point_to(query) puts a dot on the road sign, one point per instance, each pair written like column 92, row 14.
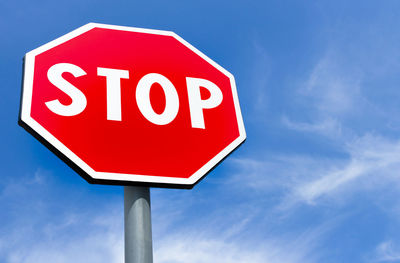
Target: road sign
column 124, row 105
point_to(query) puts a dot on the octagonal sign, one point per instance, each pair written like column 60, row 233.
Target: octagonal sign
column 124, row 105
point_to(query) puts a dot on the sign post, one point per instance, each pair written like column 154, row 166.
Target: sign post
column 134, row 107
column 137, row 213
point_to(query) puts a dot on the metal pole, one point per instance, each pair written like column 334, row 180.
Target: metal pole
column 138, row 240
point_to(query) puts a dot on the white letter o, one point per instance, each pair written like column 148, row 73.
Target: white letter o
column 143, row 99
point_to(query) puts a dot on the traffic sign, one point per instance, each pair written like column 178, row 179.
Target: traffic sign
column 131, row 106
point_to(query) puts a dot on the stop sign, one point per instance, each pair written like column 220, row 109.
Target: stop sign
column 124, row 105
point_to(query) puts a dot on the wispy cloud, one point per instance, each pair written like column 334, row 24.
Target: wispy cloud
column 197, row 249
column 103, row 245
column 38, row 231
column 78, row 238
column 387, row 251
column 327, row 127
column 309, row 179
column 96, row 235
column 261, row 73
column 333, row 87
column 205, row 245
column 373, row 158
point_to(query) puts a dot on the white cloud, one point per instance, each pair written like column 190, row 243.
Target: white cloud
column 387, row 252
column 11, row 188
column 96, row 235
column 333, row 86
column 75, row 239
column 201, row 246
column 368, row 162
column 105, row 246
column 199, row 250
column 328, row 126
column 261, row 75
column 370, row 156
column 38, row 231
column 333, row 101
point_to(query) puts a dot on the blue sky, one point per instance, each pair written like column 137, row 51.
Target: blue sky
column 316, row 181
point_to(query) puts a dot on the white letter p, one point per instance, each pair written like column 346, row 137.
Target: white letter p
column 196, row 104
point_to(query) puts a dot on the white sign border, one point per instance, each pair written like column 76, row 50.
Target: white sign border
column 120, row 178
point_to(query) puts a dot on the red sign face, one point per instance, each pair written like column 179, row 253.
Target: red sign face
column 124, row 105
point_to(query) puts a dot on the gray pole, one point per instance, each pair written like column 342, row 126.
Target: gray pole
column 138, row 240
